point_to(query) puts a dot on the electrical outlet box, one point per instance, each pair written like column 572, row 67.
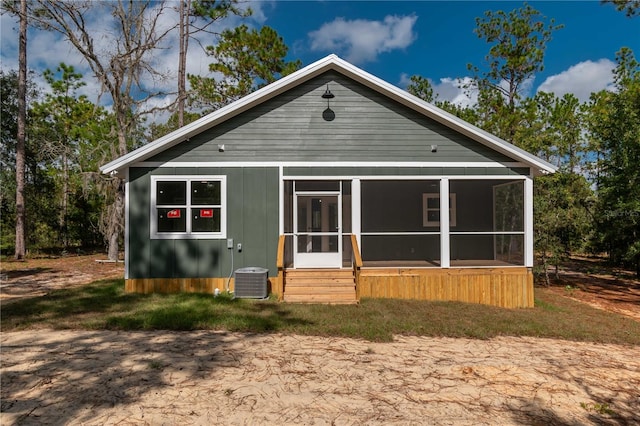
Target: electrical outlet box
column 230, row 243
column 239, row 246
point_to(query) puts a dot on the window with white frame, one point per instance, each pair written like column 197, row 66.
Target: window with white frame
column 188, row 207
column 431, row 209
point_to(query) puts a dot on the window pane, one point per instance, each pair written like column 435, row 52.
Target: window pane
column 171, row 193
column 205, row 220
column 172, row 220
column 205, row 193
column 317, row 244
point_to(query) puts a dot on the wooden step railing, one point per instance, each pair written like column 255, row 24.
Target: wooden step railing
column 356, row 261
column 279, row 290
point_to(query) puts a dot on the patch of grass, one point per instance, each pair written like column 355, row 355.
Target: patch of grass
column 155, row 365
column 603, row 408
column 104, row 305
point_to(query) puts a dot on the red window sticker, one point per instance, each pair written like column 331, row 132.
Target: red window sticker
column 206, row 212
column 173, row 214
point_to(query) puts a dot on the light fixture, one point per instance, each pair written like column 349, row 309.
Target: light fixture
column 221, row 147
column 327, row 94
column 328, row 114
column 434, row 148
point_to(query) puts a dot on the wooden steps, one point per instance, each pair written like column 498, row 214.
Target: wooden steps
column 331, row 286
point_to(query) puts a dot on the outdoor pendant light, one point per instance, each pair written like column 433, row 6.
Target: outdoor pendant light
column 328, row 114
column 327, row 94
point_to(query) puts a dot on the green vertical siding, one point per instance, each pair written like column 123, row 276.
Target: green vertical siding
column 252, row 220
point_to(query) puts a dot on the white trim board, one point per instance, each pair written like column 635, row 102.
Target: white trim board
column 154, row 234
column 332, row 164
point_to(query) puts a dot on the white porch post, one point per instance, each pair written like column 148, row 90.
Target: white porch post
column 528, row 222
column 126, row 224
column 280, row 201
column 356, row 209
column 445, row 261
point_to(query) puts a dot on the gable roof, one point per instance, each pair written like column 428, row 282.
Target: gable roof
column 331, row 62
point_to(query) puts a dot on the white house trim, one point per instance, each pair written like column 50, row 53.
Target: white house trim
column 154, row 234
column 356, row 210
column 528, row 222
column 126, row 224
column 408, row 177
column 281, row 212
column 445, row 244
column 330, row 164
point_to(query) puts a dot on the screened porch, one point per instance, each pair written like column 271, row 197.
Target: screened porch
column 405, row 223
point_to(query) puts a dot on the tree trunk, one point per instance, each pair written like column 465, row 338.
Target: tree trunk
column 182, row 60
column 545, row 265
column 115, row 217
column 116, row 222
column 113, row 246
column 20, row 248
column 64, row 214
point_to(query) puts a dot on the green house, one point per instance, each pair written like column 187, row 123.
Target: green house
column 341, row 186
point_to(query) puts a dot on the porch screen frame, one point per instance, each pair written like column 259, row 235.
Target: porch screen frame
column 527, row 216
column 436, row 180
column 445, row 228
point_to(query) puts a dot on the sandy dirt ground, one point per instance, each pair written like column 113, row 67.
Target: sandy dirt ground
column 207, row 378
column 39, row 276
column 210, row 378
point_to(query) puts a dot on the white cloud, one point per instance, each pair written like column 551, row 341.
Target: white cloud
column 449, row 89
column 362, row 41
column 9, row 41
column 581, row 79
column 454, row 91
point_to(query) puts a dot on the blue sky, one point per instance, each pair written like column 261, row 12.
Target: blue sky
column 436, row 39
column 393, row 40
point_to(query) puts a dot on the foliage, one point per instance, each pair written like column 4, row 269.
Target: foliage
column 195, row 17
column 561, row 218
column 158, row 130
column 66, row 133
column 553, row 128
column 247, row 59
column 630, row 7
column 615, row 124
column 70, row 129
column 518, row 40
column 39, row 229
column 119, row 68
column 422, row 88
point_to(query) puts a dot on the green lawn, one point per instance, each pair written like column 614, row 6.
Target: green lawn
column 104, row 305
